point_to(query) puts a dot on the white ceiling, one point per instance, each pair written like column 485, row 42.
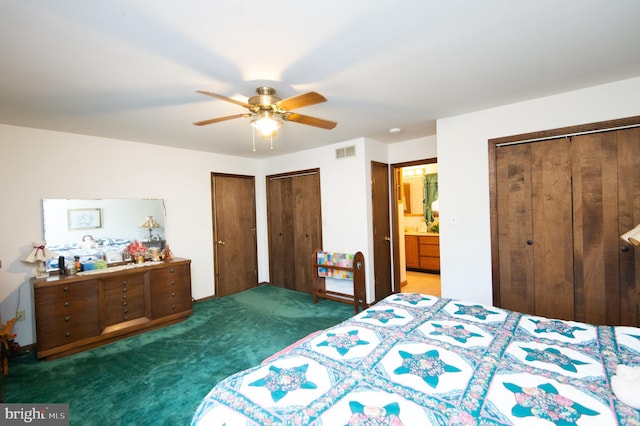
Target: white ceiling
column 129, row 69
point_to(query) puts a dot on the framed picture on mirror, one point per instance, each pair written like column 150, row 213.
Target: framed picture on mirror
column 84, row 218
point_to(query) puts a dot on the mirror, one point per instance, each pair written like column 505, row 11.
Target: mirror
column 101, row 228
column 413, row 187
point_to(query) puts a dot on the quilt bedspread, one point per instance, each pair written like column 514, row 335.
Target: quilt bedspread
column 414, row 359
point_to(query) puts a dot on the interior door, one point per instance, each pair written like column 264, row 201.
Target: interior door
column 535, row 228
column 628, row 154
column 234, row 230
column 381, row 229
column 295, row 227
column 606, row 197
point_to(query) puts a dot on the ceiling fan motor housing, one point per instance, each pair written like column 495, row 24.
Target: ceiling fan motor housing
column 264, row 100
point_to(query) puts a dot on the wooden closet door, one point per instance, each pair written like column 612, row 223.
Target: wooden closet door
column 606, row 198
column 533, row 191
column 595, row 228
column 552, row 231
column 295, row 228
column 629, row 217
column 280, row 240
column 307, row 227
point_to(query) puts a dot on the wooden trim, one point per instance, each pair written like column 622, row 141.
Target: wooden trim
column 286, row 175
column 600, row 126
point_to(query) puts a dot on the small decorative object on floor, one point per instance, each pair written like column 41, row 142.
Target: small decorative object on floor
column 39, row 254
column 137, row 250
column 6, row 336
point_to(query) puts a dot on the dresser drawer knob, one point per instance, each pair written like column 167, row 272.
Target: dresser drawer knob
column 66, row 303
column 65, row 288
column 124, row 296
column 171, row 270
column 67, row 318
column 125, row 310
column 173, row 294
column 124, row 282
column 173, row 306
column 67, row 334
column 173, row 282
column 125, row 303
column 125, row 318
column 124, row 290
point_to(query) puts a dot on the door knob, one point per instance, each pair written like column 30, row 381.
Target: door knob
column 530, row 242
column 387, row 238
column 221, row 242
column 624, row 248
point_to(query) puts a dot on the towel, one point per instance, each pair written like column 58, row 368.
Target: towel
column 626, row 385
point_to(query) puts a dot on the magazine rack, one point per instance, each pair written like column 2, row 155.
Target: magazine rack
column 340, row 266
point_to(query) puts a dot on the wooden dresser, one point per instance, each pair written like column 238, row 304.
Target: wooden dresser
column 422, row 252
column 78, row 312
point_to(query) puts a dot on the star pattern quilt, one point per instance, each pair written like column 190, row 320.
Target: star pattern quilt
column 415, row 359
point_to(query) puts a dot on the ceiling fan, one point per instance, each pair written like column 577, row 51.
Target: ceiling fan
column 268, row 110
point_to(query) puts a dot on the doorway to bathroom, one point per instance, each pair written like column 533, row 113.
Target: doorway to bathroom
column 416, row 231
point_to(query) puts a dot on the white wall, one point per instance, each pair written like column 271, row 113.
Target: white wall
column 414, row 149
column 465, row 246
column 41, row 164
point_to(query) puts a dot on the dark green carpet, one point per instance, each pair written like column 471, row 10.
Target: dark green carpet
column 160, row 377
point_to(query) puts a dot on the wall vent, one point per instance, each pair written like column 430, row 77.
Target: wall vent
column 348, row 151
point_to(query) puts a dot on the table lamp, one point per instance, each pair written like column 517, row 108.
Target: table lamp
column 39, row 255
column 149, row 223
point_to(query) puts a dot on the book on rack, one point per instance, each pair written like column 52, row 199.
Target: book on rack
column 632, row 236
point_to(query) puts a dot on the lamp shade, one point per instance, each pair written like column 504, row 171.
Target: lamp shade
column 149, row 223
column 632, row 236
column 39, row 253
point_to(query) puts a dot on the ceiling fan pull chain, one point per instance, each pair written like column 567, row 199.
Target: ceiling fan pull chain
column 253, row 137
column 271, row 140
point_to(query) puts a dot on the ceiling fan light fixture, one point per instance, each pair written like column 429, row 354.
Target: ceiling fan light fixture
column 266, row 123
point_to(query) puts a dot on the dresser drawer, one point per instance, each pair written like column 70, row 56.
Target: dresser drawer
column 66, row 313
column 123, row 299
column 64, row 292
column 70, row 333
column 168, row 278
column 170, row 291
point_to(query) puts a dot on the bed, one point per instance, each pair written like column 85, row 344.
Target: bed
column 415, row 359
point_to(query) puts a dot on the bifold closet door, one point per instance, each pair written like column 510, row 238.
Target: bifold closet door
column 606, row 203
column 561, row 206
column 533, row 189
column 295, row 228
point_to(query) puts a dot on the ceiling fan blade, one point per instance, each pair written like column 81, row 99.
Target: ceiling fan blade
column 219, row 119
column 309, row 121
column 224, row 98
column 300, row 101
